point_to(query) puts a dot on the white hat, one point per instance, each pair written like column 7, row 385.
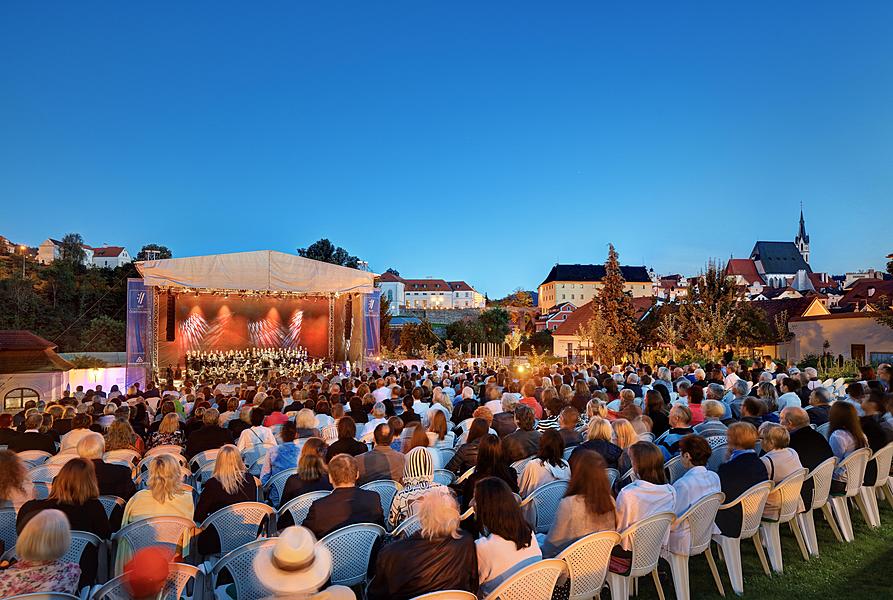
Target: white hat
column 295, row 564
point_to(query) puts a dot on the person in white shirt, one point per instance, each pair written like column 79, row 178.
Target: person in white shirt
column 510, row 545
column 379, row 416
column 731, row 375
column 696, row 484
column 780, row 460
column 382, row 392
column 494, row 400
column 547, row 466
column 648, row 495
column 80, row 424
column 257, row 434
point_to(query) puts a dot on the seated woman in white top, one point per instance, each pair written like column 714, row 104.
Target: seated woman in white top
column 547, row 466
column 257, row 434
column 780, row 462
column 510, row 545
column 696, row 484
column 438, row 431
column 645, row 497
column 846, row 437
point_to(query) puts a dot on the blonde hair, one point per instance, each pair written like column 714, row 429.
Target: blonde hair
column 438, row 514
column 120, row 436
column 45, row 538
column 774, row 436
column 229, row 469
column 599, row 429
column 305, row 419
column 169, row 423
column 625, row 433
column 91, row 446
column 164, row 478
column 741, row 436
column 596, row 408
column 311, row 462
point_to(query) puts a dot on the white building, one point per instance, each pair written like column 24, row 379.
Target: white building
column 105, row 257
column 51, row 250
column 428, row 293
column 110, row 257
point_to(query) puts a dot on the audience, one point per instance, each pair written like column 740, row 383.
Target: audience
column 229, row 484
column 742, row 471
column 382, row 462
column 15, row 483
column 548, row 465
column 418, row 480
column 164, row 495
column 40, row 569
column 696, row 484
column 780, row 462
column 347, row 504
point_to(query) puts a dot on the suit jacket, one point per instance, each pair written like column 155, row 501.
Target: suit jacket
column 344, row 506
column 113, row 480
column 503, row 424
column 32, row 440
column 382, row 462
column 7, row 434
column 209, row 437
column 813, row 449
column 736, row 477
column 520, row 444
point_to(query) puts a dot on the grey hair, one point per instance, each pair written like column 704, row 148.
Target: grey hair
column 822, row 394
column 717, row 390
column 741, row 387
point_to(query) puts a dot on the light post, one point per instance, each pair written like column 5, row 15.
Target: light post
column 23, row 249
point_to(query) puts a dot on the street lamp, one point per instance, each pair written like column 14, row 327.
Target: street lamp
column 23, row 248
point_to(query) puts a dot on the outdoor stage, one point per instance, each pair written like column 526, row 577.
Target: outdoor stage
column 247, row 300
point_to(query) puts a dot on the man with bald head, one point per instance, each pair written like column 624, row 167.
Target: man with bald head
column 810, row 445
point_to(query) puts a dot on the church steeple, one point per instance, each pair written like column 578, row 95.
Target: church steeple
column 802, row 239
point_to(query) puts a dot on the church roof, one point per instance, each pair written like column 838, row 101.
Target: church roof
column 779, row 258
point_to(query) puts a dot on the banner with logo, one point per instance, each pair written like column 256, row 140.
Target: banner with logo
column 139, row 310
column 371, row 323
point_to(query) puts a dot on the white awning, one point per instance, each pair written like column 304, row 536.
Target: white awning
column 262, row 270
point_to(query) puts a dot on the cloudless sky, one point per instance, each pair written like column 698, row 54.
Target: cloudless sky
column 481, row 141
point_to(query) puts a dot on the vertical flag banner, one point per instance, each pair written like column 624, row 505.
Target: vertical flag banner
column 139, row 304
column 371, row 323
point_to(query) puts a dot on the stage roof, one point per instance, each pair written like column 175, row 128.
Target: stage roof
column 262, row 270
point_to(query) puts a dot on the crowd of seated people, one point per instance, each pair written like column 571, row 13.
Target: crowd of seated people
column 462, row 447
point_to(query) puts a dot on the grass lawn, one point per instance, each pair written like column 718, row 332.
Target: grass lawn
column 861, row 570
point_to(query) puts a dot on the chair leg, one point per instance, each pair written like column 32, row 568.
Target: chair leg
column 888, row 491
column 679, row 569
column 772, row 536
column 798, row 535
column 619, row 586
column 864, row 508
column 716, row 579
column 731, row 551
column 842, row 515
column 660, row 588
column 761, row 554
column 832, row 522
column 806, row 524
column 869, row 501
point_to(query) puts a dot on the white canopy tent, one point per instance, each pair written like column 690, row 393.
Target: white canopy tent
column 261, row 270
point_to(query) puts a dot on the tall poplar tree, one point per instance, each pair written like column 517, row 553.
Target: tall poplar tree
column 616, row 313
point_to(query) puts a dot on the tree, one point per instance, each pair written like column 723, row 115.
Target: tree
column 782, row 334
column 668, row 332
column 749, row 327
column 513, row 340
column 416, row 337
column 615, row 313
column 541, row 341
column 465, row 332
column 325, row 251
column 104, row 334
column 393, row 272
column 495, row 323
column 72, row 249
column 709, row 307
column 519, row 297
column 153, row 252
column 384, row 320
column 598, row 342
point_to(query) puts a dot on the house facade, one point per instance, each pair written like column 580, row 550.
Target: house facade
column 579, row 284
column 110, row 257
column 104, row 257
column 558, row 315
column 428, row 293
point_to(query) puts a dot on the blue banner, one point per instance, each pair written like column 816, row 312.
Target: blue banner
column 139, row 310
column 372, row 324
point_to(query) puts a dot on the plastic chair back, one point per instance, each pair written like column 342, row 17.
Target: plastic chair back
column 883, row 458
column 180, row 578
column 155, row 531
column 240, row 565
column 45, row 473
column 386, row 490
column 542, row 504
column 465, row 475
column 533, row 582
column 43, row 596
column 33, row 458
column 203, row 458
column 752, row 502
column 8, row 533
column 176, row 451
column 821, row 482
column 240, row 523
column 700, row 517
column 444, row 477
column 447, row 595
column 408, row 527
column 275, row 486
column 351, row 548
column 300, row 506
column 717, row 457
column 131, row 456
column 613, row 476
column 788, row 493
column 674, row 468
column 587, row 562
column 646, row 538
column 109, row 503
column 854, row 466
column 520, row 465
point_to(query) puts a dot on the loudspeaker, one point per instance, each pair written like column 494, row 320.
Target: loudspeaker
column 171, row 318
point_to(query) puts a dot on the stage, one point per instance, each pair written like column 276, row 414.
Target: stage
column 248, row 301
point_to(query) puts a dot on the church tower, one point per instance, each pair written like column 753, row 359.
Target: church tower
column 802, row 239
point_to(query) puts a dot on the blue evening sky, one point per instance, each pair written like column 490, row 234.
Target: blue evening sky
column 481, row 141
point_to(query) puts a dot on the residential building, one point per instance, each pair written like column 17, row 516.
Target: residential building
column 51, row 250
column 670, row 287
column 106, row 257
column 552, row 319
column 850, row 278
column 110, row 257
column 579, row 284
column 428, row 293
column 566, row 341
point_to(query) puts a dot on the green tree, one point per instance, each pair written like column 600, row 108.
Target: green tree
column 325, row 251
column 615, row 313
column 384, row 320
column 415, row 338
column 668, row 332
column 709, row 307
column 749, row 327
column 519, row 297
column 465, row 332
column 495, row 323
column 104, row 334
column 72, row 249
column 155, row 251
column 541, row 341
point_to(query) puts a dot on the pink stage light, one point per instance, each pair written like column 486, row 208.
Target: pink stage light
column 293, row 339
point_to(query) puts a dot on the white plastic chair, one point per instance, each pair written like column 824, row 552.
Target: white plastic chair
column 131, row 456
column 541, row 505
column 824, row 430
column 43, row 596
column 8, row 532
column 61, row 458
column 144, row 463
column 33, row 458
column 299, row 506
column 699, row 519
column 45, row 473
column 109, row 503
column 170, row 532
column 821, row 486
column 446, row 454
column 465, row 475
column 276, row 485
column 646, row 538
column 386, row 490
column 854, row 465
column 444, row 477
column 240, row 565
column 587, row 563
column 202, row 474
column 788, row 492
column 408, row 527
column 519, row 465
column 42, row 490
column 173, row 449
column 142, row 479
column 239, row 524
column 447, row 595
column 868, row 494
column 180, row 580
column 675, row 469
column 717, row 456
column 351, row 548
column 536, row 581
column 752, row 502
column 567, row 452
column 203, row 458
column 613, row 475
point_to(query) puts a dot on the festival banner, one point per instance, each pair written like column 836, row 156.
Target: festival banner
column 139, row 305
column 371, row 323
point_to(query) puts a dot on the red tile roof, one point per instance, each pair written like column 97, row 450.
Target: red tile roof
column 585, row 312
column 23, row 352
column 108, row 251
column 744, row 267
column 20, row 339
column 872, row 291
column 390, row 277
column 460, row 286
column 427, row 285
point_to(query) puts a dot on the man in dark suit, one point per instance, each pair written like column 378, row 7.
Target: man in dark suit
column 524, row 441
column 210, row 436
column 113, row 479
column 504, row 422
column 31, row 438
column 7, row 433
column 347, row 504
column 810, row 445
column 743, row 470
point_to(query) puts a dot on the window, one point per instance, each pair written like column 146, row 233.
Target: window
column 881, row 357
column 15, row 399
